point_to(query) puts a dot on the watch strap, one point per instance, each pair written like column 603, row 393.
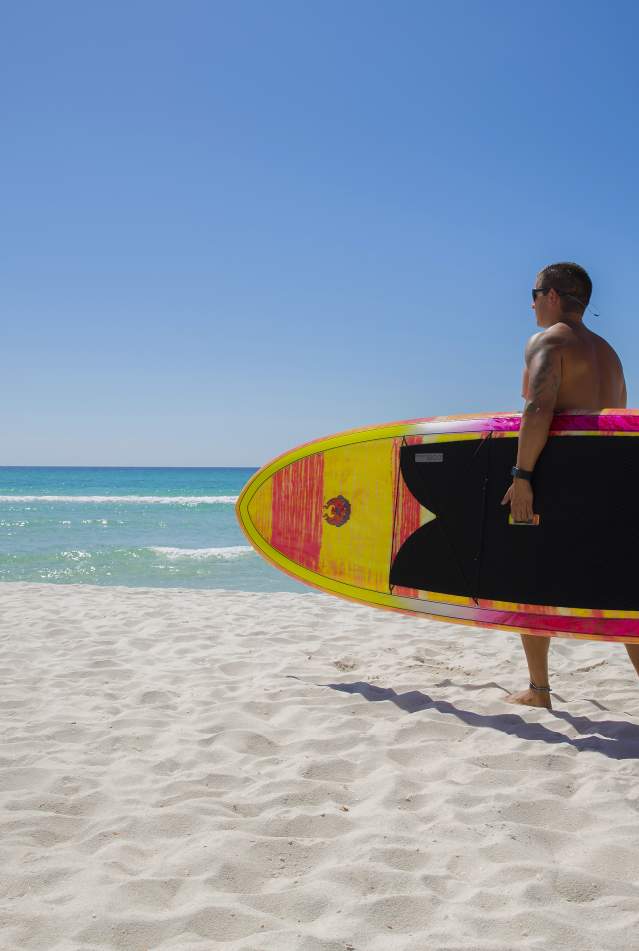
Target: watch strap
column 517, row 473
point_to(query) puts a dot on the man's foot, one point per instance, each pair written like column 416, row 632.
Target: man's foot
column 531, row 698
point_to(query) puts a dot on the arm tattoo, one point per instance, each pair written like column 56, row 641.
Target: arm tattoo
column 545, row 381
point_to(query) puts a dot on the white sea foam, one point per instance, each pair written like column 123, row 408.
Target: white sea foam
column 128, row 499
column 227, row 554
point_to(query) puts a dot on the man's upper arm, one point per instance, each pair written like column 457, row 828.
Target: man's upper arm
column 543, row 361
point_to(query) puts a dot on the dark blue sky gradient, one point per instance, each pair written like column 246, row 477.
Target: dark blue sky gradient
column 229, row 227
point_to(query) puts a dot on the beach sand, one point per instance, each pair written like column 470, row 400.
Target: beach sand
column 267, row 772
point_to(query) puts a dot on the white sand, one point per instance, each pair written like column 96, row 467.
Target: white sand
column 181, row 770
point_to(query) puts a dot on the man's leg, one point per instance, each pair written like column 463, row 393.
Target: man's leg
column 633, row 654
column 536, row 649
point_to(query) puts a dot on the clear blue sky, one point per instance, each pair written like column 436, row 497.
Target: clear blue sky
column 229, row 227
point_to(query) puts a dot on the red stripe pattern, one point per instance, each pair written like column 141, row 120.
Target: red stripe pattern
column 297, row 510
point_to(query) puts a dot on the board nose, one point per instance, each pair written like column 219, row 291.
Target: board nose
column 285, row 510
column 328, row 512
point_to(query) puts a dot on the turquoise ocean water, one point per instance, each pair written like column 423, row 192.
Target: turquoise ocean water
column 135, row 527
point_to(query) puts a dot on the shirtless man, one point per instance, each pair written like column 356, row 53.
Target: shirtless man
column 569, row 369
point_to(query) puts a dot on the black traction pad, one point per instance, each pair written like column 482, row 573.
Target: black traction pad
column 584, row 553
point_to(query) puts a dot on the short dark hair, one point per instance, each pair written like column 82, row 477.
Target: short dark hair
column 570, row 281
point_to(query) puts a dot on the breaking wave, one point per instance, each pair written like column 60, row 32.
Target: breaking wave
column 229, row 553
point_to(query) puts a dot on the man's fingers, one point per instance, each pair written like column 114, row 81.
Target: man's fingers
column 521, row 511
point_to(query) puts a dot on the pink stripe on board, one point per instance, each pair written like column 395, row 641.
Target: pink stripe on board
column 616, row 421
column 611, row 627
column 297, row 510
column 576, row 625
column 603, row 423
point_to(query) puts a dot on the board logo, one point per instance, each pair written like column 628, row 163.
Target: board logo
column 337, row 511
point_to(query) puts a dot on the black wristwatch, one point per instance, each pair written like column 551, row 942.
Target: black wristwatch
column 521, row 474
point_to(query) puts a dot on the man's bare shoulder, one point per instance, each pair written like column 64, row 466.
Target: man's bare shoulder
column 562, row 333
column 578, row 332
column 559, row 335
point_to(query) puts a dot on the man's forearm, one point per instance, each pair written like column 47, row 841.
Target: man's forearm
column 533, row 434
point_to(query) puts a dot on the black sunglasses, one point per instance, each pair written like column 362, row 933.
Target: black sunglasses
column 536, row 291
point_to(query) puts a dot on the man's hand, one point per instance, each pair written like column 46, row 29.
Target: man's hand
column 520, row 497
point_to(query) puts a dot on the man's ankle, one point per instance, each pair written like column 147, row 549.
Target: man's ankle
column 542, row 688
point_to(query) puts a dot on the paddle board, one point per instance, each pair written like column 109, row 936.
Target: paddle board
column 407, row 517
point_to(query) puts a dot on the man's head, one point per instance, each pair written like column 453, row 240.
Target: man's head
column 561, row 290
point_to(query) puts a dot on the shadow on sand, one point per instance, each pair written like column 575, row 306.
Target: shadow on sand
column 614, row 738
